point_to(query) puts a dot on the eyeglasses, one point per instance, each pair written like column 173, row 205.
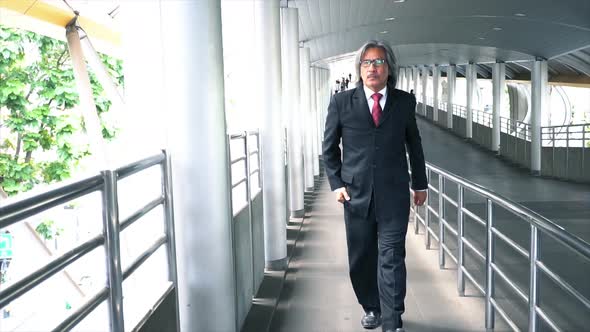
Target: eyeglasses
column 376, row 62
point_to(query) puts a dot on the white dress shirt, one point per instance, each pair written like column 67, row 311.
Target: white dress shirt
column 371, row 102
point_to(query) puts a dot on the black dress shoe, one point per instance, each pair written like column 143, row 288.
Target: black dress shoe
column 371, row 320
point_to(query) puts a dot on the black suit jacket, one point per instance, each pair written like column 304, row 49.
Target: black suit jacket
column 373, row 158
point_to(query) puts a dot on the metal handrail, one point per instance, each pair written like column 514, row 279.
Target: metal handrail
column 250, row 168
column 460, row 110
column 482, row 117
column 538, row 224
column 19, row 208
column 573, row 135
column 571, row 138
column 515, row 128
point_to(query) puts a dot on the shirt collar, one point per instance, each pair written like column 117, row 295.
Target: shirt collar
column 369, row 92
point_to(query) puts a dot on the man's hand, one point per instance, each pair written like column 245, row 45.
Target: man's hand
column 420, row 197
column 342, row 195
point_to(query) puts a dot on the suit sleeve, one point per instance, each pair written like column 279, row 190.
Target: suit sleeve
column 331, row 145
column 414, row 146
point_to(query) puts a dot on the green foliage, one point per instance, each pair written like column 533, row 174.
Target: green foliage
column 40, row 133
column 48, row 230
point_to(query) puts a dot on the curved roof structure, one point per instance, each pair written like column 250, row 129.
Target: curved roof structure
column 422, row 32
column 426, row 32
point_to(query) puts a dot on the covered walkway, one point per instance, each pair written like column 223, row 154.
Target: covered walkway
column 245, row 234
column 317, row 295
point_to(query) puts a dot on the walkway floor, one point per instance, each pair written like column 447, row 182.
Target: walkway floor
column 566, row 203
column 317, row 295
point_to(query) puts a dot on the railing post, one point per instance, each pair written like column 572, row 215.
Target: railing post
column 416, row 221
column 461, row 246
column 489, row 269
column 441, row 226
column 567, row 150
column 110, row 216
column 249, row 198
column 426, row 214
column 259, row 164
column 515, row 124
column 583, row 146
column 169, row 224
column 533, row 280
column 526, row 137
column 552, row 151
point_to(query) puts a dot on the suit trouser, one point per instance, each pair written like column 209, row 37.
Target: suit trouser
column 376, row 258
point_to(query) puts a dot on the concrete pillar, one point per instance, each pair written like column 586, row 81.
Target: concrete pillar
column 538, row 104
column 291, row 95
column 424, row 90
column 306, row 111
column 451, row 84
column 313, row 120
column 471, row 86
column 408, row 78
column 268, row 53
column 435, row 85
column 415, row 76
column 197, row 140
column 318, row 111
column 327, row 98
column 498, row 79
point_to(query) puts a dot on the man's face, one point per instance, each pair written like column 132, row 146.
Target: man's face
column 374, row 77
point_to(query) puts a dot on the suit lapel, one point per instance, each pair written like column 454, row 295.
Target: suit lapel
column 360, row 104
column 390, row 105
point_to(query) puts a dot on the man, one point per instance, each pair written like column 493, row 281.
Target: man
column 376, row 123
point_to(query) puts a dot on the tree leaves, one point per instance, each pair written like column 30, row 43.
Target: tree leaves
column 37, row 100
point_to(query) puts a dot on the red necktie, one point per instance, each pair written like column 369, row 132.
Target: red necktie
column 376, row 111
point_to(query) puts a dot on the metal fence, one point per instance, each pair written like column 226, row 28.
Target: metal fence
column 248, row 227
column 106, row 183
column 435, row 211
column 575, row 135
column 483, row 118
column 243, row 146
column 567, row 147
column 460, row 111
column 515, row 128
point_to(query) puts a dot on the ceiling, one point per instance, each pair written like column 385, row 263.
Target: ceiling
column 426, row 32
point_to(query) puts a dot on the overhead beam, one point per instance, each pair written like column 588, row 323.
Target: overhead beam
column 576, row 63
column 461, row 70
column 483, row 71
column 510, row 73
column 60, row 17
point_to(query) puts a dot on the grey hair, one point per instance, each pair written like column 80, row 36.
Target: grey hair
column 389, row 59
